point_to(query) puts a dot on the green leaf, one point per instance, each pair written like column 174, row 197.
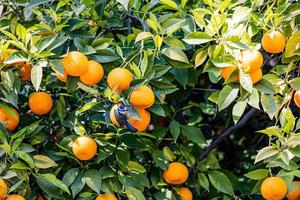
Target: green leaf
column 272, row 131
column 203, row 181
column 70, row 176
column 200, row 57
column 253, row 99
column 24, row 156
column 123, row 156
column 258, row 174
column 269, row 104
column 265, row 153
column 175, row 129
column 227, row 96
column 43, row 162
column 143, row 36
column 238, row 110
column 245, row 81
column 93, row 179
column 172, row 25
column 169, row 3
column 135, row 166
column 134, row 194
column 295, row 83
column 160, row 159
column 125, row 3
column 21, row 32
column 175, row 54
column 197, row 38
column 221, row 182
column 37, row 74
column 265, row 86
column 194, row 134
column 293, row 45
column 58, row 183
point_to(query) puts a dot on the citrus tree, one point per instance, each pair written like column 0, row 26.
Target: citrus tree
column 149, row 99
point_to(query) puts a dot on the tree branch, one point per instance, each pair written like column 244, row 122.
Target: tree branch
column 227, row 132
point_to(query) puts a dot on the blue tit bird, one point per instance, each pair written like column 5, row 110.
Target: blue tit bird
column 122, row 116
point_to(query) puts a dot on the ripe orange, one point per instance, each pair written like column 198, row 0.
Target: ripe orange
column 140, row 125
column 84, row 148
column 227, row 71
column 106, row 197
column 297, row 98
column 3, row 188
column 295, row 193
column 62, row 78
column 119, row 79
column 256, row 76
column 176, row 174
column 11, row 122
column 185, row 194
column 142, row 97
column 15, row 197
column 75, row 63
column 273, row 42
column 252, row 59
column 25, row 71
column 143, row 123
column 273, row 188
column 40, row 103
column 93, row 75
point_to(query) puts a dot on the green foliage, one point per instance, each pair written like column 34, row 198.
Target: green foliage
column 177, row 47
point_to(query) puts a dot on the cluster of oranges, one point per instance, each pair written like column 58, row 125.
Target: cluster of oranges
column 141, row 98
column 251, row 60
column 77, row 64
column 3, row 192
column 177, row 174
column 275, row 188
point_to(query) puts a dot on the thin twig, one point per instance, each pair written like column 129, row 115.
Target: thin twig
column 205, row 89
column 227, row 132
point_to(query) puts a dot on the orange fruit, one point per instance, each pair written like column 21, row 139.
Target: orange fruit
column 15, row 197
column 273, row 42
column 40, row 103
column 11, row 123
column 253, row 59
column 143, row 123
column 185, row 194
column 140, row 125
column 256, row 76
column 176, row 174
column 142, row 97
column 119, row 79
column 297, row 98
column 273, row 188
column 84, row 148
column 25, row 71
column 93, row 75
column 75, row 63
column 227, row 71
column 295, row 193
column 62, row 78
column 3, row 188
column 106, row 197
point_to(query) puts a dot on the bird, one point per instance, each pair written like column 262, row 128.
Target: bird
column 122, row 116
